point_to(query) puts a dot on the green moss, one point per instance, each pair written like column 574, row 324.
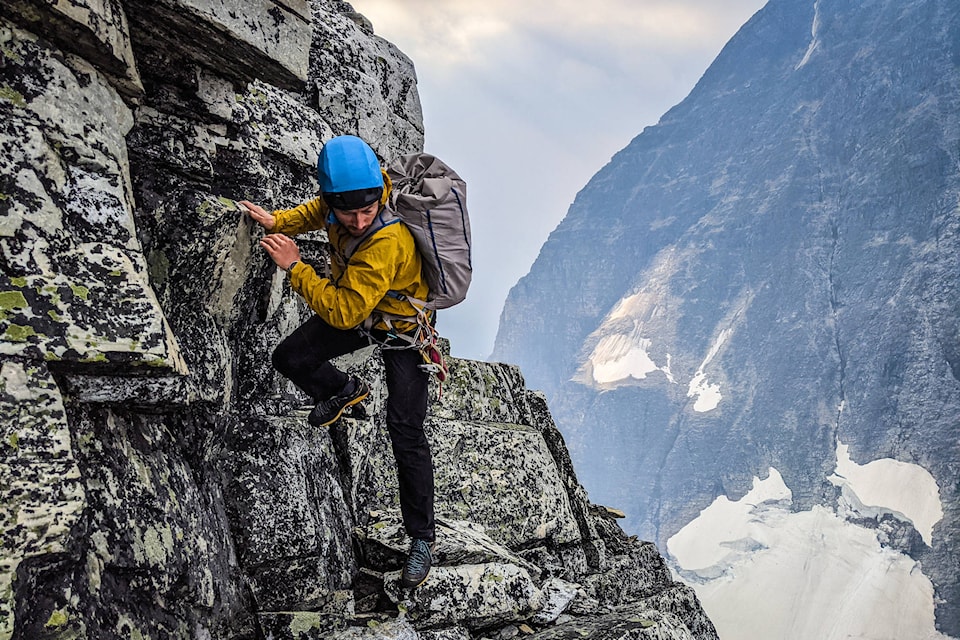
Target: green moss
column 12, row 300
column 51, row 292
column 258, row 96
column 10, row 54
column 204, row 208
column 57, row 619
column 17, row 282
column 80, row 291
column 14, row 440
column 56, row 316
column 99, row 357
column 12, row 95
column 18, row 333
column 304, row 623
column 158, row 267
column 116, row 273
column 50, row 356
column 227, row 202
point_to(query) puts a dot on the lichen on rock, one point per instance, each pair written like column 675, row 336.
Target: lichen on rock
column 159, row 477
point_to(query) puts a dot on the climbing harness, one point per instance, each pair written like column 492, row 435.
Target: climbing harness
column 423, row 337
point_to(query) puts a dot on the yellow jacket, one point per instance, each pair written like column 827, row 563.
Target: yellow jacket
column 387, row 260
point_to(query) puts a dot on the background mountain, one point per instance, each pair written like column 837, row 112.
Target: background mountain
column 758, row 297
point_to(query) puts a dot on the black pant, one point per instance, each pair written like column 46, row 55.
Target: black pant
column 304, row 357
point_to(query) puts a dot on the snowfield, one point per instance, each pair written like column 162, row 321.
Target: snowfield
column 762, row 571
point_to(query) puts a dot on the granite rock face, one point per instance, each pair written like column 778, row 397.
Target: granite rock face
column 159, row 479
column 767, row 273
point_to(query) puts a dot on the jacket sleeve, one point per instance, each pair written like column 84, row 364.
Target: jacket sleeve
column 309, row 216
column 363, row 284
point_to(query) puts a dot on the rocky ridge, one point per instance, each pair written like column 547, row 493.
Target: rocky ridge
column 158, row 478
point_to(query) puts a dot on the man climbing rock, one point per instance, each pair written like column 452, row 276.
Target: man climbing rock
column 375, row 266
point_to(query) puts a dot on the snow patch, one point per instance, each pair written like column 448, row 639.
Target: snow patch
column 706, row 541
column 814, row 38
column 622, row 351
column 761, row 571
column 889, row 486
column 707, row 395
column 621, row 357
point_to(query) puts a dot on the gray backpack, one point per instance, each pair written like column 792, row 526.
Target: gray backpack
column 431, row 199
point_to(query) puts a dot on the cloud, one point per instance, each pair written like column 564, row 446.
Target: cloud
column 555, row 61
column 528, row 100
column 449, row 35
column 480, row 33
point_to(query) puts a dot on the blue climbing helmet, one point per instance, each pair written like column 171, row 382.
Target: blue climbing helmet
column 349, row 174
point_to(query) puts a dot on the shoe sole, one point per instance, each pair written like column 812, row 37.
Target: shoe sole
column 343, row 408
column 414, row 586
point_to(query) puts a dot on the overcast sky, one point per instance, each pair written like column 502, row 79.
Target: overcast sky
column 528, row 100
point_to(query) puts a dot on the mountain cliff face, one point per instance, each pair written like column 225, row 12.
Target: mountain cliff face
column 763, row 287
column 158, row 478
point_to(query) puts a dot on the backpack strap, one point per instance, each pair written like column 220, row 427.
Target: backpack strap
column 351, row 245
column 424, row 337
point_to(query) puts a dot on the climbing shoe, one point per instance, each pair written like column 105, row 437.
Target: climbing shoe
column 418, row 563
column 329, row 411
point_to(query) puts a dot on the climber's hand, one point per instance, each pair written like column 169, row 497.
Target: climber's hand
column 259, row 214
column 282, row 249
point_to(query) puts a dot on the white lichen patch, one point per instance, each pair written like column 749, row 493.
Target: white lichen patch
column 96, row 304
column 43, row 496
column 474, row 595
column 156, row 547
column 286, row 127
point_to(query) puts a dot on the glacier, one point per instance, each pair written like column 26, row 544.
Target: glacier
column 814, row 573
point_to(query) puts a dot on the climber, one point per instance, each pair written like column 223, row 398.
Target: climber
column 372, row 254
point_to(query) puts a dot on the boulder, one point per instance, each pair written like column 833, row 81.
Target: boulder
column 472, row 595
column 643, row 624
